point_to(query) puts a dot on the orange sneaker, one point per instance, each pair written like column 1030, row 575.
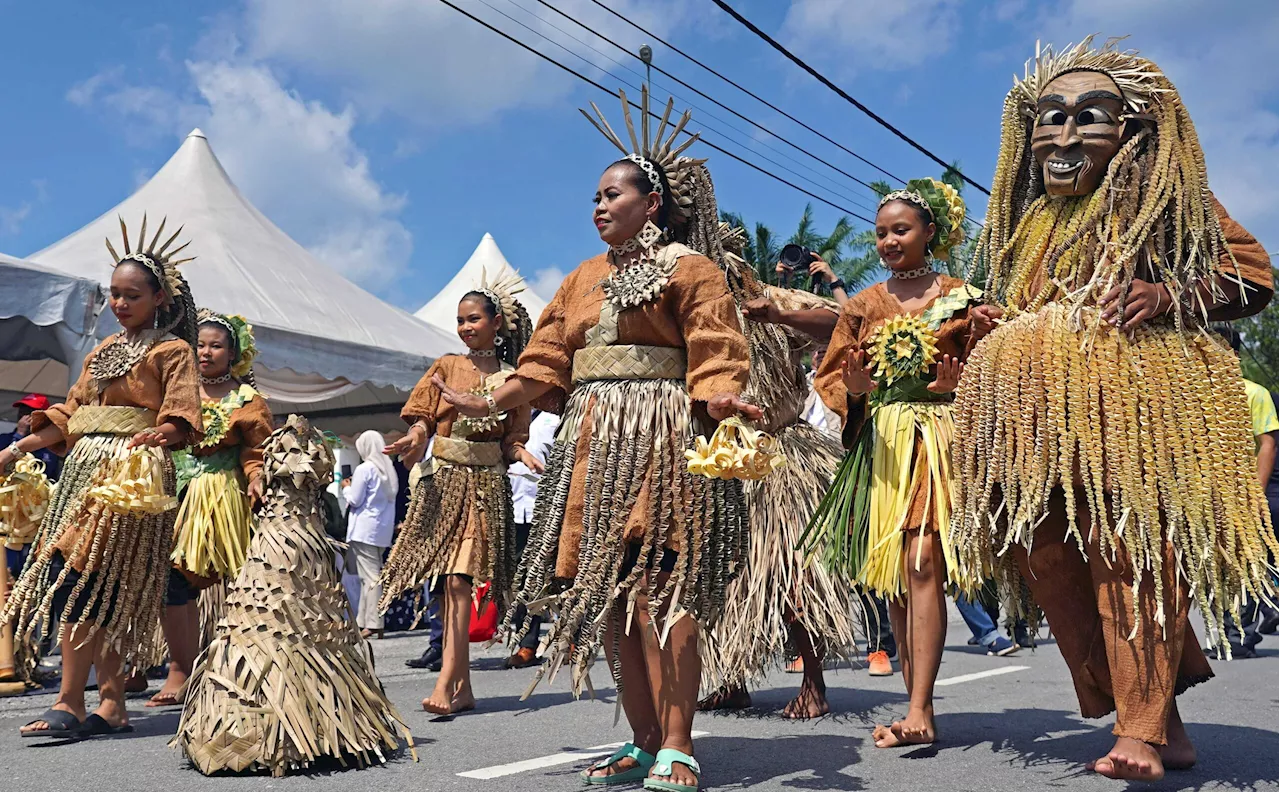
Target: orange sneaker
column 878, row 664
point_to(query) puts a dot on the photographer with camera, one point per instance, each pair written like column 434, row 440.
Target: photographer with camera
column 798, row 257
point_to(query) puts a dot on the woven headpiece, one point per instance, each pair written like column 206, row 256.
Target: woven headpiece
column 159, row 260
column 502, row 291
column 945, row 207
column 658, row 151
column 1139, row 80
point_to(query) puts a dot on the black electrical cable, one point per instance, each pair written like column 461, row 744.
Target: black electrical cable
column 708, row 143
column 797, row 61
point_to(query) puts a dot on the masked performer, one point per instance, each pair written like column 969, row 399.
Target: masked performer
column 101, row 559
column 218, row 479
column 636, row 346
column 459, row 528
column 287, row 679
column 1103, row 442
column 890, row 371
column 782, row 603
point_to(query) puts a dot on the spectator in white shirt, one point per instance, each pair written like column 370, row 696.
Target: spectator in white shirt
column 370, row 494
column 524, row 491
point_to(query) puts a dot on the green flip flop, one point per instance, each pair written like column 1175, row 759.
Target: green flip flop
column 663, row 767
column 644, row 761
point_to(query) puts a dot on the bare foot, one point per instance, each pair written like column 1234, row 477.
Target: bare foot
column 681, row 774
column 1179, row 754
column 463, row 701
column 810, row 703
column 726, row 698
column 39, row 726
column 1130, row 759
column 170, row 691
column 441, row 702
column 915, row 729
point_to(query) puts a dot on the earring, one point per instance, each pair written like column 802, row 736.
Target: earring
column 497, row 341
column 649, row 235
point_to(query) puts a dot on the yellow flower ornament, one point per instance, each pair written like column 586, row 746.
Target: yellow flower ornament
column 735, row 451
column 903, row 347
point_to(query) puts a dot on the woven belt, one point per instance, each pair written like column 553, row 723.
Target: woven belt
column 466, row 452
column 628, row 361
column 92, row 419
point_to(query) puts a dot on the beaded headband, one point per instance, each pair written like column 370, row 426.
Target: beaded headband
column 909, row 195
column 649, row 170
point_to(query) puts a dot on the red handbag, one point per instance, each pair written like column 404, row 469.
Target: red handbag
column 484, row 624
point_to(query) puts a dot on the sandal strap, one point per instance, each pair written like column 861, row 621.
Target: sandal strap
column 669, row 756
column 627, row 751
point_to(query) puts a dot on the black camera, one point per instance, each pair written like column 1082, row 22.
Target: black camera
column 793, row 257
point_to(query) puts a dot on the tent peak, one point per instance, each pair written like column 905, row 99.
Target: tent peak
column 197, row 133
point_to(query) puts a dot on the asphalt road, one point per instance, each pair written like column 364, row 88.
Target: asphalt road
column 1017, row 730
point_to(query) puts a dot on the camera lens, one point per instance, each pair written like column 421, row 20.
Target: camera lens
column 792, row 256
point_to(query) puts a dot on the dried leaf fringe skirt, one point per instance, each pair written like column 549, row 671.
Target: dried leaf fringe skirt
column 120, row 592
column 637, row 432
column 1160, row 423
column 287, row 680
column 459, row 521
column 780, row 582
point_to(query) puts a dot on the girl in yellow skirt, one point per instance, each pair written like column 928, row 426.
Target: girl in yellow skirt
column 99, row 562
column 217, row 480
column 459, row 529
column 890, row 371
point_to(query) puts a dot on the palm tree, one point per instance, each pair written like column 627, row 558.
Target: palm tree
column 760, row 249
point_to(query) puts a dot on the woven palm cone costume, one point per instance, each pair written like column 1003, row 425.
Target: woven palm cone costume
column 896, row 476
column 287, row 680
column 24, row 497
column 459, row 520
column 101, row 555
column 629, row 355
column 779, row 583
column 1081, row 448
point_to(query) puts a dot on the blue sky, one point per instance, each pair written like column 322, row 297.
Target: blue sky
column 389, row 135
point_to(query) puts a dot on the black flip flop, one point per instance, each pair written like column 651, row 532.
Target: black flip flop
column 96, row 726
column 61, row 726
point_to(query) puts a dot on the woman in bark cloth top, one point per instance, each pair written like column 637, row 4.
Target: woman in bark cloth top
column 1103, row 444
column 782, row 603
column 894, row 361
column 218, row 478
column 629, row 549
column 100, row 561
column 458, row 530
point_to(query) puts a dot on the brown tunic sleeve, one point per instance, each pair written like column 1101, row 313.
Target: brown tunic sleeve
column 425, row 400
column 515, row 431
column 548, row 358
column 1252, row 265
column 712, row 329
column 829, row 383
column 175, row 363
column 253, row 423
column 59, row 414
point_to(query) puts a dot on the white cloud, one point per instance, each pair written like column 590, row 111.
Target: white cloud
column 12, row 217
column 295, row 159
column 545, row 282
column 429, row 63
column 872, row 34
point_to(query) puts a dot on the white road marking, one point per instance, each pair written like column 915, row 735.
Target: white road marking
column 567, row 757
column 979, row 675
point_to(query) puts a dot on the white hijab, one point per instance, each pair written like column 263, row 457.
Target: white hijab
column 370, row 446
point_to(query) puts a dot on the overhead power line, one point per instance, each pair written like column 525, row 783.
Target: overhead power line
column 707, row 143
column 814, row 72
column 750, row 93
column 702, row 114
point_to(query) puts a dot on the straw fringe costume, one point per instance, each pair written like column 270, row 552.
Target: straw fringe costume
column 287, row 680
column 1081, row 450
column 101, row 556
column 459, row 520
column 779, row 584
column 897, row 474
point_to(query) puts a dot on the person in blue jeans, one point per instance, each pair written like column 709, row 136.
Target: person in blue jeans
column 982, row 623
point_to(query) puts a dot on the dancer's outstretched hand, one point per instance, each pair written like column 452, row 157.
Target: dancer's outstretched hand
column 855, row 370
column 466, row 403
column 948, row 377
column 726, row 405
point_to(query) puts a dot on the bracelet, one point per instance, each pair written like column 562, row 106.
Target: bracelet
column 493, row 405
column 838, row 283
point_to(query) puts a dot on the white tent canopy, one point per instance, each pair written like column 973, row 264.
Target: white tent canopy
column 47, row 321
column 323, row 340
column 442, row 311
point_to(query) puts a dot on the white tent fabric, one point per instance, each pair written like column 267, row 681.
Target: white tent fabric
column 442, row 310
column 320, row 336
column 47, row 321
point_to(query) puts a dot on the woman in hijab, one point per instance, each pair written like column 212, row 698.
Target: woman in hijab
column 371, row 511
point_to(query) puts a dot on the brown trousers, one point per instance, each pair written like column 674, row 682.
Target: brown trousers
column 1088, row 600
